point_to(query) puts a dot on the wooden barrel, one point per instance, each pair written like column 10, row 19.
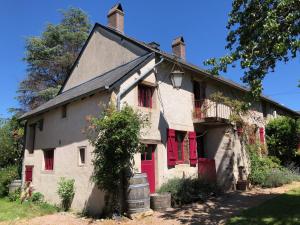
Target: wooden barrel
column 160, row 202
column 138, row 198
column 14, row 185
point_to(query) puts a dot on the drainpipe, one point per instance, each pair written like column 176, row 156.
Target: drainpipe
column 142, row 76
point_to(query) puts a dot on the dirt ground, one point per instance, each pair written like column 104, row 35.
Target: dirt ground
column 215, row 211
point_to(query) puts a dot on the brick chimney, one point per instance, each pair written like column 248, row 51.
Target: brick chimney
column 115, row 18
column 178, row 47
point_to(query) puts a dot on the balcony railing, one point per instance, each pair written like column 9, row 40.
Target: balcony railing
column 204, row 109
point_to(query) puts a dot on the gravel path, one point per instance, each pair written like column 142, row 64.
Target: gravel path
column 214, row 211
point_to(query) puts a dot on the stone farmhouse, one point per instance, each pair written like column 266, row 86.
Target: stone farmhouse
column 188, row 133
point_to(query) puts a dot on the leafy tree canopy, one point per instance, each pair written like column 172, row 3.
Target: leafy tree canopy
column 261, row 33
column 11, row 133
column 50, row 57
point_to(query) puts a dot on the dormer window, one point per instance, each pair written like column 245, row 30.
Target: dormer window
column 145, row 94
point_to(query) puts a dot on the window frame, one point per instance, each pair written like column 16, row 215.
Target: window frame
column 45, row 151
column 79, row 155
column 64, row 112
column 142, row 97
column 183, row 133
column 32, row 137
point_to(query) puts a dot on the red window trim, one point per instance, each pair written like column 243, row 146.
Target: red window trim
column 145, row 94
column 49, row 159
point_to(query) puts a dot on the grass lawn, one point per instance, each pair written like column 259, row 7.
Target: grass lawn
column 282, row 210
column 15, row 210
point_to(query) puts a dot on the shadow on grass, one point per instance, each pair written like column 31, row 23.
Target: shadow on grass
column 216, row 210
column 282, row 210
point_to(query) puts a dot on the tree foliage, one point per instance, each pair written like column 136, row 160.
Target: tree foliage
column 283, row 135
column 261, row 33
column 116, row 138
column 11, row 142
column 50, row 57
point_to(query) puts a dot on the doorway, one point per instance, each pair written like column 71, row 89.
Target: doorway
column 148, row 165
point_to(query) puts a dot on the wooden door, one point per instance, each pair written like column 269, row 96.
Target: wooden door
column 148, row 165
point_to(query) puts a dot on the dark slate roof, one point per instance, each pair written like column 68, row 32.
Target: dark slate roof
column 100, row 83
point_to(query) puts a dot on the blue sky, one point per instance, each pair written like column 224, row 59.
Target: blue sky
column 202, row 23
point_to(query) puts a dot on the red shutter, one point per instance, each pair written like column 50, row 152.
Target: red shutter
column 28, row 173
column 171, row 147
column 193, row 148
column 262, row 135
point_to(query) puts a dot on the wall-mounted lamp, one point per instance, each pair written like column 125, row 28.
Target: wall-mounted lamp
column 176, row 76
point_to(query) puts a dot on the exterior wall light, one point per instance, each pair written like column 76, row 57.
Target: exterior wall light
column 176, row 76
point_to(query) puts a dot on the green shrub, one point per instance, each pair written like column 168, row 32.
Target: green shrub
column 7, row 175
column 266, row 171
column 188, row 190
column 66, row 192
column 14, row 196
column 37, row 198
column 282, row 135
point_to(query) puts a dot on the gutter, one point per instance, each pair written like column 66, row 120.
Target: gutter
column 142, row 76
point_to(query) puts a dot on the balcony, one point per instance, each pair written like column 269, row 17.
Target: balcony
column 208, row 112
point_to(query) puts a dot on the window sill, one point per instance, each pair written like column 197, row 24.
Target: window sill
column 47, row 171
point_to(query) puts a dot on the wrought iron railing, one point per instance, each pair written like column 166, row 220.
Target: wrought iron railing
column 209, row 109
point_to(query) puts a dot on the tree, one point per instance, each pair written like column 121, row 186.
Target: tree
column 50, row 57
column 116, row 138
column 261, row 33
column 283, row 135
column 11, row 142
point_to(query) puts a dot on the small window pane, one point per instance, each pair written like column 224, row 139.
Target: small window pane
column 64, row 111
column 149, row 153
column 179, row 140
column 82, row 155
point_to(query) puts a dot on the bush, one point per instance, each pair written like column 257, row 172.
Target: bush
column 14, row 196
column 7, row 175
column 188, row 190
column 282, row 135
column 266, row 171
column 66, row 192
column 37, row 198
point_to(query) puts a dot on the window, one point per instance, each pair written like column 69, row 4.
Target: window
column 82, row 151
column 179, row 139
column 147, row 154
column 145, row 96
column 264, row 109
column 64, row 111
column 41, row 124
column 28, row 173
column 49, row 159
column 31, row 141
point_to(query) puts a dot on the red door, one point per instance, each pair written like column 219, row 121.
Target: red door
column 28, row 173
column 148, row 165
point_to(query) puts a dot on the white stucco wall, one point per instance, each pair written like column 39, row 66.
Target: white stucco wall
column 66, row 135
column 103, row 53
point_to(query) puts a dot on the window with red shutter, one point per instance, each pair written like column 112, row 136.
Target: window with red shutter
column 145, row 96
column 262, row 135
column 171, row 148
column 49, row 159
column 179, row 139
column 193, row 148
column 28, row 173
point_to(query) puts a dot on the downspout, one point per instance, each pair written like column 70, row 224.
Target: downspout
column 142, row 76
